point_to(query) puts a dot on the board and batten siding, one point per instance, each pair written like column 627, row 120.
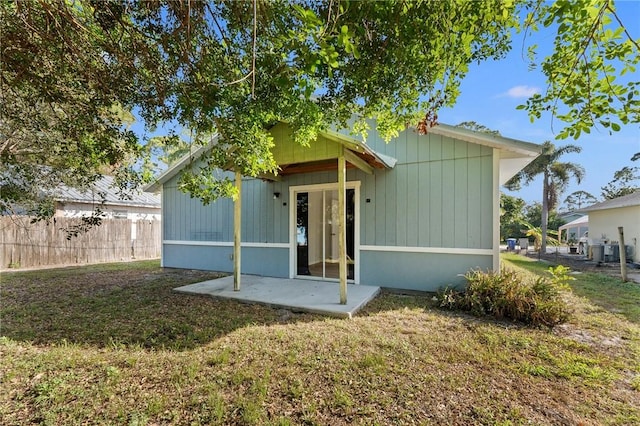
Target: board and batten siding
column 439, row 194
column 264, row 219
column 438, row 197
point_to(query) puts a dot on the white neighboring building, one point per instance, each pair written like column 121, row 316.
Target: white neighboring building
column 73, row 203
column 607, row 216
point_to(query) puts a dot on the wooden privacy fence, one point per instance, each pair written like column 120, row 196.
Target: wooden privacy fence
column 24, row 245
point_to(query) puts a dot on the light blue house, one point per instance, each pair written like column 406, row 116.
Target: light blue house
column 420, row 210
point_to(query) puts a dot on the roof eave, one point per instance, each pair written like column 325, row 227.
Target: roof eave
column 360, row 147
column 352, row 144
column 630, row 200
column 514, row 145
column 172, row 171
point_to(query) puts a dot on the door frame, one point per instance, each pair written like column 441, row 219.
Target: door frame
column 293, row 191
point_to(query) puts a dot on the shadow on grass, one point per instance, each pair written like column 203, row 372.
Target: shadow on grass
column 122, row 304
column 604, row 291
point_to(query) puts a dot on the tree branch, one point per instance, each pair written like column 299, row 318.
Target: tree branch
column 615, row 15
column 586, row 43
column 253, row 65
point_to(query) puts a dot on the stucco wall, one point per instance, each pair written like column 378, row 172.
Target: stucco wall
column 605, row 223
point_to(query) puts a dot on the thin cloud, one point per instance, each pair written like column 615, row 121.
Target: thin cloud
column 521, row 92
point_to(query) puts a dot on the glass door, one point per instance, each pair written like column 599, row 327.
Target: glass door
column 317, row 233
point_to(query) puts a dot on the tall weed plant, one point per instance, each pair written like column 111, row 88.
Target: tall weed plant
column 508, row 295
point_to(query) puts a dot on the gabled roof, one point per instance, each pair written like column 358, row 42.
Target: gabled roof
column 630, row 200
column 571, row 215
column 581, row 221
column 104, row 189
column 173, row 170
column 514, row 154
column 361, row 148
column 358, row 148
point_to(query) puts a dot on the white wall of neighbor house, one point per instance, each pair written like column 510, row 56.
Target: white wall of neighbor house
column 603, row 225
column 133, row 213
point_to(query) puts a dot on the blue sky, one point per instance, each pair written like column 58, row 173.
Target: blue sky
column 492, row 90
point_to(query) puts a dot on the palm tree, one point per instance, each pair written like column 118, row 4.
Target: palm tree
column 555, row 178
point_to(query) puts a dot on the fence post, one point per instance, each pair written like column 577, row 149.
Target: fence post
column 623, row 255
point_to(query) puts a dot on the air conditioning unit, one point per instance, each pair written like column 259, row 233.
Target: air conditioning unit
column 611, row 252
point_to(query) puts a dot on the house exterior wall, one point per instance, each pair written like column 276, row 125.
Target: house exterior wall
column 271, row 261
column 422, row 223
column 605, row 223
column 414, row 270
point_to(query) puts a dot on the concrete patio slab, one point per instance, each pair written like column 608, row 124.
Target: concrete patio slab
column 319, row 297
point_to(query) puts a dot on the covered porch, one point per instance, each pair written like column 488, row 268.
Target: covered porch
column 332, row 152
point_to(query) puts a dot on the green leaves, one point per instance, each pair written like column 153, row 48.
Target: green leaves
column 345, row 39
column 591, row 48
column 206, row 187
column 625, row 181
column 232, row 68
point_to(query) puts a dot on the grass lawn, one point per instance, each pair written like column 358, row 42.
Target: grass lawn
column 111, row 344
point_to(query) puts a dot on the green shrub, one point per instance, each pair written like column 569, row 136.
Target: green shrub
column 507, row 295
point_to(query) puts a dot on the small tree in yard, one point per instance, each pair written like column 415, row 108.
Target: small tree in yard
column 535, row 232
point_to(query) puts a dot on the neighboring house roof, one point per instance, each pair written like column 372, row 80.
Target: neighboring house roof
column 105, row 189
column 572, row 215
column 630, row 200
column 514, row 154
column 581, row 221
